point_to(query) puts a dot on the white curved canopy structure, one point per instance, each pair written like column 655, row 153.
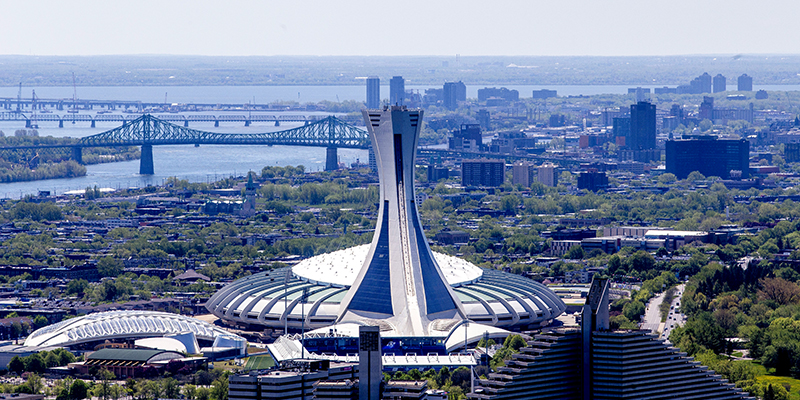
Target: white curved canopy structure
column 121, row 325
column 268, row 299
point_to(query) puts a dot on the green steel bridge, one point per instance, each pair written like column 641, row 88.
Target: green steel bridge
column 148, row 131
column 332, row 133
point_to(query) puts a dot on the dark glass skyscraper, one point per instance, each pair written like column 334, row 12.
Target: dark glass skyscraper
column 710, row 157
column 643, row 127
column 373, row 92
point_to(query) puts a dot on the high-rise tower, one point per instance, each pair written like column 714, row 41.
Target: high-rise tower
column 643, row 126
column 400, row 282
column 373, row 92
column 745, row 83
column 397, row 91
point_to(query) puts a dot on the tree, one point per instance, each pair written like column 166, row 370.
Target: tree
column 190, row 391
column 35, row 363
column 779, row 290
column 219, row 389
column 575, row 253
column 36, row 212
column 633, row 310
column 77, row 286
column 514, row 342
column 640, row 261
column 33, row 385
column 40, row 321
column 109, row 266
column 203, row 393
column 106, row 377
column 705, row 125
column 695, row 176
column 509, row 203
column 666, row 179
column 78, row 390
column 16, row 365
column 170, row 388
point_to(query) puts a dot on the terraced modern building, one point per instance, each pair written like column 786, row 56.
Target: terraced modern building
column 396, row 282
column 595, row 363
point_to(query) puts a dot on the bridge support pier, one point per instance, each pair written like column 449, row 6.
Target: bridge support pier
column 277, row 123
column 93, row 124
column 186, row 123
column 61, row 123
column 146, row 162
column 247, row 123
column 331, row 159
column 216, row 124
column 77, row 154
column 27, row 123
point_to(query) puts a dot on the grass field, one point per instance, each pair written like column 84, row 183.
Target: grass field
column 259, row 362
column 793, row 384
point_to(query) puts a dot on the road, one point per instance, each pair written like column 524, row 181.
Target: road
column 674, row 318
column 652, row 316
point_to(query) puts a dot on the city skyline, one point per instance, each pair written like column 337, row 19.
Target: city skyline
column 252, row 28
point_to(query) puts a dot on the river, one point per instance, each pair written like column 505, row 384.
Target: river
column 197, row 164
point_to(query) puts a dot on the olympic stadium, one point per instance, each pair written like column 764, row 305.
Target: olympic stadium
column 423, row 302
column 269, row 299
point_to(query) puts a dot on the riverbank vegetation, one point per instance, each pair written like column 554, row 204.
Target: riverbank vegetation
column 53, row 162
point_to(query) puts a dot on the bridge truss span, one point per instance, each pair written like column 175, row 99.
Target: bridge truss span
column 149, row 130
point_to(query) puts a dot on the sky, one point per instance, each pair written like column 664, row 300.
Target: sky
column 396, row 28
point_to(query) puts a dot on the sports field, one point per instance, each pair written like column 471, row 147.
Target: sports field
column 259, row 362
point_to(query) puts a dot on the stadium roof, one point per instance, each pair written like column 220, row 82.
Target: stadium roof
column 121, row 325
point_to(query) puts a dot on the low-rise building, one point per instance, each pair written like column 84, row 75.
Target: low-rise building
column 294, row 381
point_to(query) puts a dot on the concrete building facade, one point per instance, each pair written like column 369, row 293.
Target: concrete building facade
column 596, row 363
column 745, row 83
column 524, row 173
column 547, row 175
column 719, row 84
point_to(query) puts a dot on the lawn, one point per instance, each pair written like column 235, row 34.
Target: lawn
column 259, row 362
column 785, row 381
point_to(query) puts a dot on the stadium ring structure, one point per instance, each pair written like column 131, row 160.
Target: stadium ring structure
column 274, row 298
column 116, row 325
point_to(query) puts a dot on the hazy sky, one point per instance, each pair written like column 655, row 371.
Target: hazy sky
column 414, row 27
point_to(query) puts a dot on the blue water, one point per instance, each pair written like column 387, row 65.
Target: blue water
column 197, row 164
